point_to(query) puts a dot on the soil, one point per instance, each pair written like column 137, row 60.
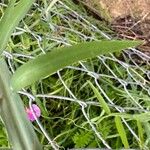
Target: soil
column 121, row 8
column 129, row 18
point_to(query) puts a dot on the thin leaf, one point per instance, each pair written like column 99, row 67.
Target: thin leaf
column 142, row 117
column 100, row 98
column 121, row 131
column 140, row 133
column 147, row 132
column 11, row 18
column 48, row 64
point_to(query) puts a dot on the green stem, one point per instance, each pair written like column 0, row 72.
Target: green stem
column 20, row 130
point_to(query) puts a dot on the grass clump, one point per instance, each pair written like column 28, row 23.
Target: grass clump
column 74, row 112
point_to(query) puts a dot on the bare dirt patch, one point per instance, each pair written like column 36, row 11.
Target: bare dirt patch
column 129, row 18
column 112, row 9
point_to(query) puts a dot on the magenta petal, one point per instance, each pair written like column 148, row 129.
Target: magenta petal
column 36, row 110
column 29, row 114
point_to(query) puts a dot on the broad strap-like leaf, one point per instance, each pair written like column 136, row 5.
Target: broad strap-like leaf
column 20, row 131
column 49, row 63
column 11, row 18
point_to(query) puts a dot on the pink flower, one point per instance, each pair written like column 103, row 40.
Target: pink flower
column 36, row 111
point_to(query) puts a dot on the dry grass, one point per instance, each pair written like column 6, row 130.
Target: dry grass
column 129, row 19
column 123, row 8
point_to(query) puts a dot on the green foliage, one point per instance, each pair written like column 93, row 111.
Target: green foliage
column 121, row 132
column 100, row 98
column 20, row 130
column 140, row 133
column 12, row 16
column 142, row 117
column 63, row 119
column 49, row 63
column 3, row 137
column 83, row 138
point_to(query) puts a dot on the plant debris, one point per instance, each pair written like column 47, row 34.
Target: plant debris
column 129, row 19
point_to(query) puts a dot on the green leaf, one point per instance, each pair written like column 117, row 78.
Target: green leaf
column 121, row 131
column 140, row 133
column 11, row 18
column 82, row 139
column 49, row 63
column 100, row 98
column 20, row 131
column 142, row 117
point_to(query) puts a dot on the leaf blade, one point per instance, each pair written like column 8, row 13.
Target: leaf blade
column 20, row 131
column 121, row 131
column 11, row 18
column 59, row 58
column 100, row 98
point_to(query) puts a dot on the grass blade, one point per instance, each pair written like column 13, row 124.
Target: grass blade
column 100, row 98
column 49, row 63
column 140, row 133
column 11, row 18
column 121, row 131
